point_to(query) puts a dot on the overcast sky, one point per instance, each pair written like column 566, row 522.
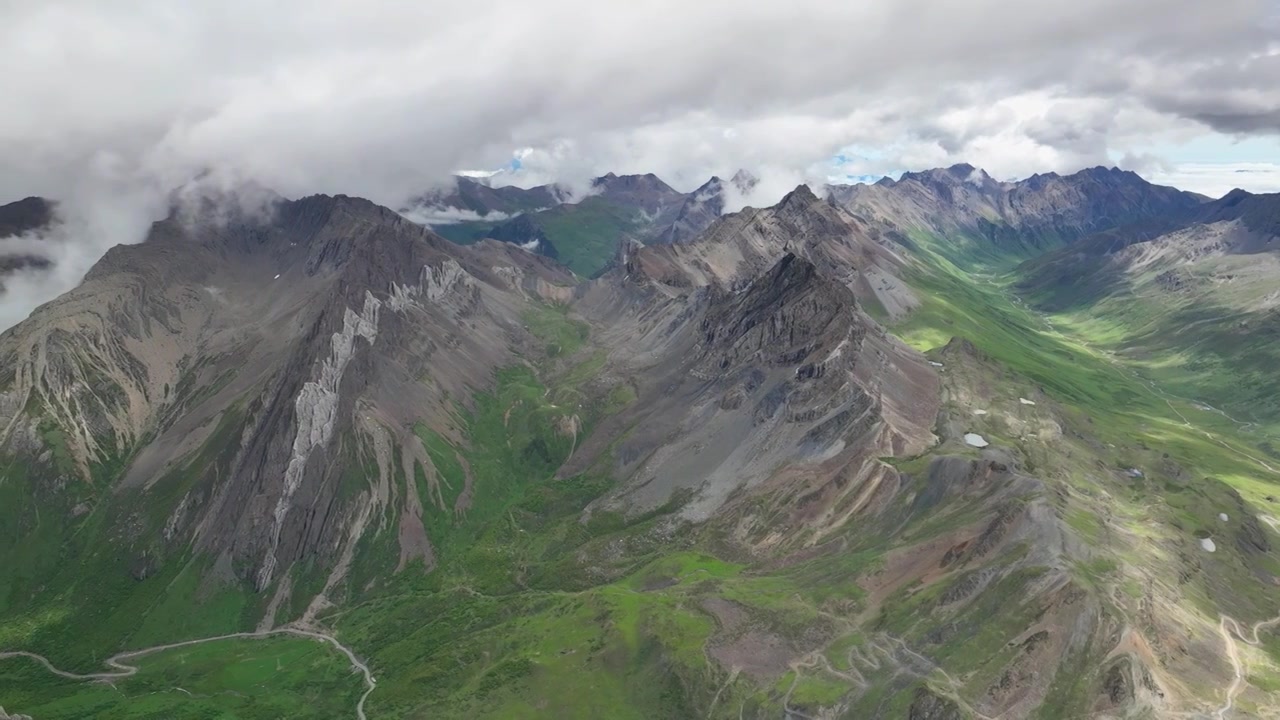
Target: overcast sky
column 107, row 109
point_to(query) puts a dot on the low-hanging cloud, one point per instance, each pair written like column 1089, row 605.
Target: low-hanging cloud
column 434, row 215
column 106, row 109
column 72, row 243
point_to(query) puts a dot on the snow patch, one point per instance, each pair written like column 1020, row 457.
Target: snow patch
column 979, row 412
column 976, row 440
column 1025, row 401
column 935, row 364
column 316, row 411
column 1207, row 544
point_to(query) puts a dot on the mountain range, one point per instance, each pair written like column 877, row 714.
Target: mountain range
column 582, row 232
column 937, row 448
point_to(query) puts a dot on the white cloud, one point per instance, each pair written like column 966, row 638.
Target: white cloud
column 449, row 215
column 74, row 242
column 384, row 98
column 1218, row 179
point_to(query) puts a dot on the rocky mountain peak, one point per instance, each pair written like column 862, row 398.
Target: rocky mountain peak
column 647, row 182
column 786, row 311
column 954, row 176
column 25, row 215
column 1103, row 171
column 1040, row 180
column 809, row 219
column 646, row 193
column 800, row 198
column 709, row 191
column 1235, row 196
column 744, row 180
column 696, row 212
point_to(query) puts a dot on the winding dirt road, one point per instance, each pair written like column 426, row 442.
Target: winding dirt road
column 124, row 670
column 1233, row 654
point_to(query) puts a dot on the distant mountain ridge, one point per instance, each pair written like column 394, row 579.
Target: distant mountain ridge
column 1206, row 279
column 1023, row 217
column 584, row 232
column 479, row 197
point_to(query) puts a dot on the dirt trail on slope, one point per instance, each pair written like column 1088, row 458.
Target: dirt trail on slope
column 124, row 670
column 1233, row 654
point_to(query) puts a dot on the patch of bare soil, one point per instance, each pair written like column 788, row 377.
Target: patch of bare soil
column 741, row 647
column 927, row 563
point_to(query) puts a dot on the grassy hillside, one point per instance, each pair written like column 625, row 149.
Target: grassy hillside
column 586, row 234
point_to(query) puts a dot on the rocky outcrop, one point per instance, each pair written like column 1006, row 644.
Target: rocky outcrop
column 315, row 412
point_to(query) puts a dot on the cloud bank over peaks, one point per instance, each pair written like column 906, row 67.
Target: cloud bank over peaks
column 386, row 99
